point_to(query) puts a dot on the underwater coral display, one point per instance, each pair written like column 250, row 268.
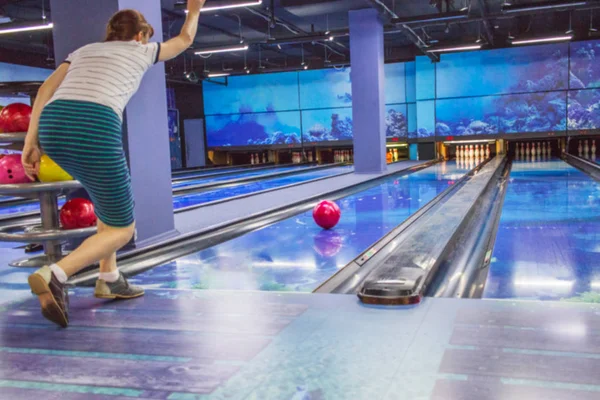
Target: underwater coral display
column 271, row 128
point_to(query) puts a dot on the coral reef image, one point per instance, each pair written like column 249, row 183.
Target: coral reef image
column 325, row 88
column 271, row 128
column 396, row 121
column 584, row 106
column 503, row 71
column 327, row 125
column 425, row 118
column 585, row 72
column 539, row 77
column 252, row 94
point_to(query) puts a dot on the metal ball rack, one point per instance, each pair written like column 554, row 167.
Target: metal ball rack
column 49, row 233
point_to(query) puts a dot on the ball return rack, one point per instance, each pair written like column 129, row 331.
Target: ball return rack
column 49, row 233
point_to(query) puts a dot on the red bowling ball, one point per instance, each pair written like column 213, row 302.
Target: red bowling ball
column 15, row 118
column 11, row 170
column 327, row 214
column 77, row 213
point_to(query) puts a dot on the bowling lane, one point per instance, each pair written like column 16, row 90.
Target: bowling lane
column 295, row 254
column 187, row 200
column 240, row 175
column 208, row 171
column 190, row 199
column 548, row 241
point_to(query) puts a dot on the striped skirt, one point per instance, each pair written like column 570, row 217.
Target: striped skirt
column 85, row 139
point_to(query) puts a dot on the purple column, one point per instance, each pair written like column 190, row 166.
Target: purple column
column 368, row 96
column 145, row 128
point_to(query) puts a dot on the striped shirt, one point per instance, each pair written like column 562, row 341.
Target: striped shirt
column 107, row 73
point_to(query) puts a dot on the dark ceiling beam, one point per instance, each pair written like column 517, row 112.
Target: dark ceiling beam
column 487, row 26
column 388, row 15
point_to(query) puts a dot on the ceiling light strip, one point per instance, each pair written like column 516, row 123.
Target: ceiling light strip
column 221, row 50
column 457, row 48
column 229, row 6
column 5, row 31
column 543, row 40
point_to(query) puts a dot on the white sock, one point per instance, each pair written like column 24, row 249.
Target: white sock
column 110, row 276
column 59, row 273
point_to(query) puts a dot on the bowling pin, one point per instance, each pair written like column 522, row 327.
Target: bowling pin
column 476, row 154
column 252, row 159
column 487, row 151
column 593, row 147
column 527, row 149
column 264, row 158
column 579, row 148
column 586, row 148
column 310, row 158
column 517, row 150
column 539, row 148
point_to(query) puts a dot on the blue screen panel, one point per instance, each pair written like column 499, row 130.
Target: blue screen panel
column 425, row 78
column 396, row 121
column 585, row 59
column 532, row 112
column 4, row 101
column 425, row 118
column 327, row 125
column 275, row 128
column 325, row 88
column 511, row 70
column 411, row 83
column 583, row 106
column 466, row 116
column 21, row 73
column 395, row 83
column 252, row 93
column 412, row 120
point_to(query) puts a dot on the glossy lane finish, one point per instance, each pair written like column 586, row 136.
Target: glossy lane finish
column 253, row 187
column 295, row 254
column 547, row 246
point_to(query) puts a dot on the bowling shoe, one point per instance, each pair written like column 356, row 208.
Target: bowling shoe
column 120, row 289
column 52, row 294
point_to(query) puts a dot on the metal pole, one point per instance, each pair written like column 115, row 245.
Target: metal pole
column 49, row 216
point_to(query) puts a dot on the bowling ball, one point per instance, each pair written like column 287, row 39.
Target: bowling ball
column 327, row 214
column 77, row 213
column 11, row 170
column 15, row 118
column 51, row 171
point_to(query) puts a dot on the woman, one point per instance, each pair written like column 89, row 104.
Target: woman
column 77, row 118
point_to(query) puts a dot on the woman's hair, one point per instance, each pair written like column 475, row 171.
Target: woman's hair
column 125, row 24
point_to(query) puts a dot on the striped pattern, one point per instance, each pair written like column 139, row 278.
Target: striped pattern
column 107, row 73
column 85, row 140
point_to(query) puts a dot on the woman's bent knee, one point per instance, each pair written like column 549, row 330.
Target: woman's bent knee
column 124, row 234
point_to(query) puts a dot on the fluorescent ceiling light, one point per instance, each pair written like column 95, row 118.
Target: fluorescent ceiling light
column 544, row 40
column 228, row 6
column 517, row 8
column 15, row 29
column 221, row 50
column 457, row 48
column 218, row 74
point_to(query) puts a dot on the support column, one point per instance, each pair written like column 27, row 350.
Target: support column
column 368, row 96
column 145, row 127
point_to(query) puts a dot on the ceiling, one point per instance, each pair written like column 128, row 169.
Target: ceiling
column 284, row 33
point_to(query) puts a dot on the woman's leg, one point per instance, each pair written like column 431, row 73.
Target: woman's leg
column 101, row 246
column 108, row 264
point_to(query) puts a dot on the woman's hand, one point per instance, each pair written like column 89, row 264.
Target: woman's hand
column 30, row 158
column 195, row 5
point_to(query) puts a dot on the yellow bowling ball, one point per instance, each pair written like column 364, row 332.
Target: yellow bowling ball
column 51, row 172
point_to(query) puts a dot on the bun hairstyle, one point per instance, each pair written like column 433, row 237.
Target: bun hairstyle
column 125, row 24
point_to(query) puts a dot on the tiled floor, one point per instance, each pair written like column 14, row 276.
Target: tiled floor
column 180, row 344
